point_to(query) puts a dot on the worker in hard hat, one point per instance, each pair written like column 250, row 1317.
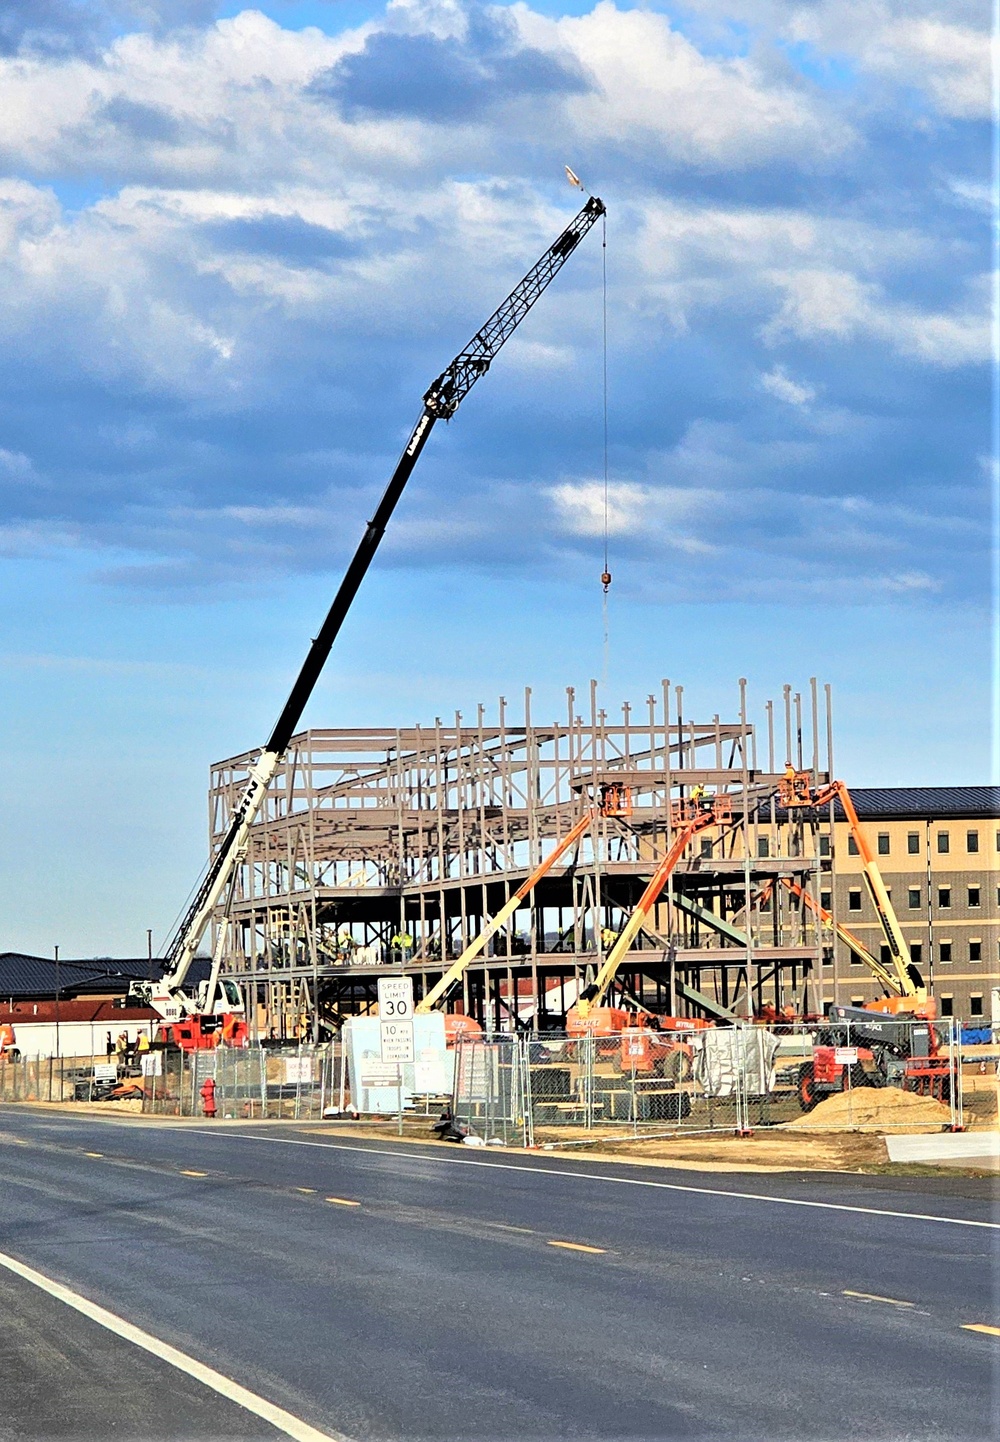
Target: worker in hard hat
column 608, row 937
column 7, row 1039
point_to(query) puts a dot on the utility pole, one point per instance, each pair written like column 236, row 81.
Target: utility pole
column 58, row 1052
column 149, row 950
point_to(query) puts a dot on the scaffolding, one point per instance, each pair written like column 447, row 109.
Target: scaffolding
column 383, row 848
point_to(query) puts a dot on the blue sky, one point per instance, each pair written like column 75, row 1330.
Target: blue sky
column 238, row 243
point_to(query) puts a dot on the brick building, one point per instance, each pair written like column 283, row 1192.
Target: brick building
column 938, row 848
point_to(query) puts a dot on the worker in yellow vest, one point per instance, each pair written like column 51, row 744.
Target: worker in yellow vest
column 401, row 946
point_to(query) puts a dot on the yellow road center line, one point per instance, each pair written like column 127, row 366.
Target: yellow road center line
column 578, row 1247
column 93, row 1154
column 874, row 1297
column 343, row 1202
column 193, row 1174
column 980, row 1327
column 306, row 1190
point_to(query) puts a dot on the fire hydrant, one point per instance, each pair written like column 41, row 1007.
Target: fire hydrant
column 208, row 1097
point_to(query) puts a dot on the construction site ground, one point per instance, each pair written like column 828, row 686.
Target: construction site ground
column 799, row 1148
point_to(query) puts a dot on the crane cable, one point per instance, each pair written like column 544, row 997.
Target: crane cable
column 606, row 574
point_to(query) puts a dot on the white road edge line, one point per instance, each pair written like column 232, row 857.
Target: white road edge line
column 277, row 1416
column 595, row 1177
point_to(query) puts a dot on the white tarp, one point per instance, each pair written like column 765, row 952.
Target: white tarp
column 727, row 1052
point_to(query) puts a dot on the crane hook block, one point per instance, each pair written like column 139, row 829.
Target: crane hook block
column 605, row 579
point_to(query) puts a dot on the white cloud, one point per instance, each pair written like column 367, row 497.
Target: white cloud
column 777, row 383
column 632, row 510
column 829, row 303
column 653, row 84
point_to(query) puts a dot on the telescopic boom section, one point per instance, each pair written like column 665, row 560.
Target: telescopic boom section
column 440, row 403
column 888, row 980
column 440, row 990
column 706, row 815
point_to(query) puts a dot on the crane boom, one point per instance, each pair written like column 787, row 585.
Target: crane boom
column 441, row 401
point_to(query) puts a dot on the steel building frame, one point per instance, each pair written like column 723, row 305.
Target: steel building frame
column 374, row 834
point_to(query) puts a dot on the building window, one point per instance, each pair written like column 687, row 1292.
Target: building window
column 857, row 1001
column 706, row 846
column 947, row 1005
column 855, row 959
column 763, row 846
column 913, row 897
column 824, row 846
column 998, row 840
column 916, row 952
column 944, row 897
column 976, row 1004
column 828, row 958
column 943, row 843
column 854, row 901
column 972, row 841
column 852, row 847
column 885, row 956
column 975, row 951
column 825, row 900
column 883, row 843
column 944, row 952
column 973, row 895
column 765, row 902
column 913, row 843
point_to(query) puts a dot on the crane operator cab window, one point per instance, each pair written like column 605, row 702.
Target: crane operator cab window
column 232, row 997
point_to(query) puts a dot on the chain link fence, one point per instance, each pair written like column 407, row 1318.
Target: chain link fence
column 525, row 1090
column 298, row 1082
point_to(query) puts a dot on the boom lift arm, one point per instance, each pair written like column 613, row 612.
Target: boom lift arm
column 796, row 789
column 887, row 979
column 704, row 813
column 441, row 988
column 441, row 401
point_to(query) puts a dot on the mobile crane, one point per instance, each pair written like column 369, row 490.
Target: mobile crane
column 196, row 1020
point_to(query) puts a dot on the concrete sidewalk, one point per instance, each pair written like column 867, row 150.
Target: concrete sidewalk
column 949, row 1149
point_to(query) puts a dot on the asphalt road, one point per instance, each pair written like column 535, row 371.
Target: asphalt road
column 385, row 1291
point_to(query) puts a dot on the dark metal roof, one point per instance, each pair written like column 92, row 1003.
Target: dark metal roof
column 926, row 803
column 35, row 976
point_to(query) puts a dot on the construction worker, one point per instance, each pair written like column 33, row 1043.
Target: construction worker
column 121, row 1047
column 608, row 938
column 401, row 946
column 700, row 798
column 143, row 1044
column 7, row 1039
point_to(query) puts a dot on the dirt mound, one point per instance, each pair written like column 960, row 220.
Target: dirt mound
column 876, row 1108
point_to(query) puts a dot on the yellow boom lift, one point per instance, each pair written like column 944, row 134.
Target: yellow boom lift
column 690, row 817
column 907, row 994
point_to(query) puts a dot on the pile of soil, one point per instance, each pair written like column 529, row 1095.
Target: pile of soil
column 876, row 1109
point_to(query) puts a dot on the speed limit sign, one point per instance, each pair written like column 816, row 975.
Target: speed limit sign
column 395, row 998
